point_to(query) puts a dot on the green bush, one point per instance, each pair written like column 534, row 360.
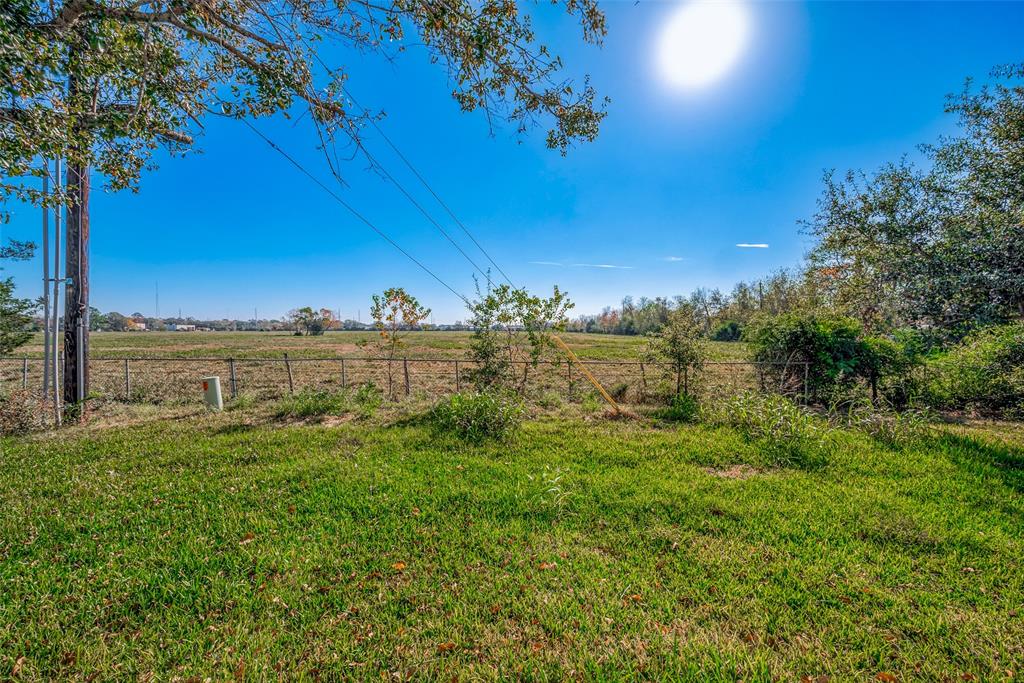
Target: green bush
column 367, row 399
column 984, row 373
column 728, row 331
column 478, row 416
column 681, row 408
column 830, row 343
column 787, row 434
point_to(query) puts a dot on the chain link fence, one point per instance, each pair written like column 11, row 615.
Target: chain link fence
column 178, row 379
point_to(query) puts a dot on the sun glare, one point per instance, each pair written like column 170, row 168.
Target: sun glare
column 702, row 41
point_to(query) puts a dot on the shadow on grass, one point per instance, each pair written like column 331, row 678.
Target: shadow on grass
column 982, row 457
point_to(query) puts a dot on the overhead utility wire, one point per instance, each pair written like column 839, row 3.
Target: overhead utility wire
column 423, row 181
column 352, row 210
column 430, row 189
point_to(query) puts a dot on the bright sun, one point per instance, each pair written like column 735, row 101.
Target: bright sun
column 702, row 41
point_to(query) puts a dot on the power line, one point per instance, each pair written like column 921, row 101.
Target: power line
column 352, row 210
column 425, row 184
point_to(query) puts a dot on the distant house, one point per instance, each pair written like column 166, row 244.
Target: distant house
column 175, row 327
column 133, row 325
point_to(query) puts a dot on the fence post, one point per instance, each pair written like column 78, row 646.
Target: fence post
column 234, row 382
column 24, row 373
column 643, row 382
column 686, row 380
column 568, row 374
column 678, row 375
column 405, row 369
column 807, row 388
column 344, row 380
column 288, row 367
column 458, row 380
column 127, row 380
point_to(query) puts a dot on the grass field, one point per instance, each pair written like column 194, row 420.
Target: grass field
column 275, row 344
column 188, row 546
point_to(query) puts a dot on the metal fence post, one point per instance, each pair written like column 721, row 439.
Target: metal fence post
column 234, row 381
column 344, row 380
column 127, row 380
column 458, row 380
column 405, row 369
column 24, row 373
column 288, row 367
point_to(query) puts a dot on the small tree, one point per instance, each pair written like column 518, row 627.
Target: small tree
column 394, row 312
column 680, row 344
column 15, row 314
column 512, row 326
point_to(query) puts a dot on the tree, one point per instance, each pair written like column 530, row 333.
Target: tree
column 306, row 321
column 512, row 327
column 105, row 83
column 15, row 314
column 393, row 312
column 937, row 247
column 680, row 344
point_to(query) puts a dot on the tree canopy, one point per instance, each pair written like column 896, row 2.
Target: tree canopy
column 105, row 83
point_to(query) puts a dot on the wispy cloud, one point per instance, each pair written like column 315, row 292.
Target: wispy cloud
column 744, row 245
column 601, row 265
column 547, row 263
column 673, row 259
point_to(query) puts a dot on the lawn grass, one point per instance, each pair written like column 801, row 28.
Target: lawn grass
column 236, row 545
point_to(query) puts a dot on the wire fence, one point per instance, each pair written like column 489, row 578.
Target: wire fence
column 179, row 379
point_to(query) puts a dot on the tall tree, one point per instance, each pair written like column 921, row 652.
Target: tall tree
column 104, row 83
column 15, row 313
column 936, row 247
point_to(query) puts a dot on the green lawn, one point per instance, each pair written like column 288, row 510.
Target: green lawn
column 212, row 546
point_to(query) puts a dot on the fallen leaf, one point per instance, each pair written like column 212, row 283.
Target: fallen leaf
column 416, row 512
column 248, row 538
column 446, row 647
column 885, row 677
column 240, row 670
column 547, row 565
column 968, row 676
column 398, row 566
column 18, row 664
column 636, row 597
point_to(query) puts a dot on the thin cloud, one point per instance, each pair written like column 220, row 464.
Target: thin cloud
column 601, row 265
column 547, row 263
column 744, row 245
column 673, row 259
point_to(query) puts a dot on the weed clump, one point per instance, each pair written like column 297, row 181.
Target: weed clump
column 789, row 435
column 19, row 412
column 682, row 408
column 894, row 429
column 319, row 402
column 478, row 416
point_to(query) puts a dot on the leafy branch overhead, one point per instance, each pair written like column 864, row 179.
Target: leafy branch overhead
column 107, row 82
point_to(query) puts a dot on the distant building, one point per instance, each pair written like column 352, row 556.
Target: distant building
column 175, row 327
column 133, row 325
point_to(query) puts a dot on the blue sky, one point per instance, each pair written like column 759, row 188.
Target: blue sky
column 675, row 180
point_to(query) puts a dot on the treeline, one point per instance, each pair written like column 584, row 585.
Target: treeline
column 721, row 316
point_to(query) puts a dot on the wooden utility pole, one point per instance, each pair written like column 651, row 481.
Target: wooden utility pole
column 76, row 300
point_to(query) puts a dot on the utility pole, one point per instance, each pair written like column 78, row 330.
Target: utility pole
column 76, row 298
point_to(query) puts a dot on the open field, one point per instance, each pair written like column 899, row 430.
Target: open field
column 186, row 546
column 167, row 366
column 276, row 344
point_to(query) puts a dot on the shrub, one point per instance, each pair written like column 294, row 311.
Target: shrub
column 19, row 412
column 728, row 331
column 984, row 373
column 618, row 391
column 788, row 434
column 830, row 343
column 478, row 416
column 681, row 408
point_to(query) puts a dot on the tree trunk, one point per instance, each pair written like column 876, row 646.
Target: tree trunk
column 76, row 301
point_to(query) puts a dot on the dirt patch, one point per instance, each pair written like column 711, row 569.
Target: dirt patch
column 734, row 472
